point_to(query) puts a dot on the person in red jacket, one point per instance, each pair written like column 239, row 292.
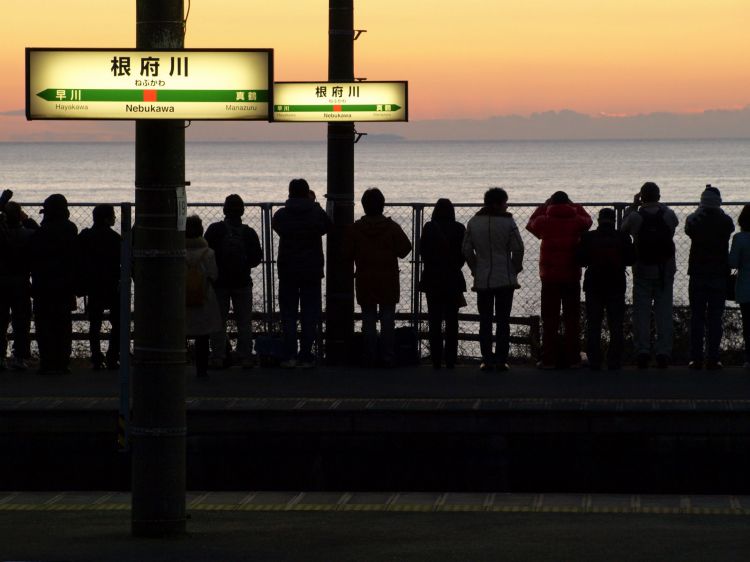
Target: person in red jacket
column 559, row 223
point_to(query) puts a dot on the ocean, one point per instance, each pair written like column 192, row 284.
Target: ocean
column 589, row 171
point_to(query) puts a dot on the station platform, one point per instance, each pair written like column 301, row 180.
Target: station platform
column 293, row 535
column 409, row 383
column 417, row 429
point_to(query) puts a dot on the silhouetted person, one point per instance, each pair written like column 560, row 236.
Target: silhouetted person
column 54, row 255
column 739, row 259
column 494, row 251
column 376, row 243
column 15, row 289
column 559, row 224
column 238, row 250
column 606, row 253
column 26, row 221
column 202, row 317
column 99, row 282
column 709, row 229
column 301, row 225
column 652, row 226
column 442, row 280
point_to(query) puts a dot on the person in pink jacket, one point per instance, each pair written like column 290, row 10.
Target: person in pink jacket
column 559, row 223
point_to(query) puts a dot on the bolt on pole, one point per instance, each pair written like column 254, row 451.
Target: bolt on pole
column 159, row 425
column 340, row 273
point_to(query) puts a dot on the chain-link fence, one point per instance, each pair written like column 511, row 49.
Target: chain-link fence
column 412, row 306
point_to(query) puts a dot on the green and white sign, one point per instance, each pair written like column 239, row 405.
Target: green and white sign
column 211, row 84
column 340, row 101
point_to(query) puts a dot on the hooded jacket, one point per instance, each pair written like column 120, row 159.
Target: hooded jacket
column 375, row 244
column 53, row 254
column 99, row 260
column 559, row 226
column 606, row 252
column 442, row 256
column 301, row 225
column 709, row 229
column 240, row 275
column 493, row 249
column 739, row 258
column 203, row 319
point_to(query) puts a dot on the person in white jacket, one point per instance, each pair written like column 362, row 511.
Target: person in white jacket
column 494, row 252
column 202, row 313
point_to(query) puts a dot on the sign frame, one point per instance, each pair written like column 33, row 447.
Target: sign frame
column 347, row 82
column 29, row 50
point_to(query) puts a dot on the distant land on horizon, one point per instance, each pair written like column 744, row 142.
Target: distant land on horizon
column 548, row 125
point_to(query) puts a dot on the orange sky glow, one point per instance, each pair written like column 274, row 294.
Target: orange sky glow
column 468, row 59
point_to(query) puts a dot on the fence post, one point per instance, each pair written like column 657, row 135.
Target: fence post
column 416, row 234
column 268, row 265
column 126, row 256
column 619, row 209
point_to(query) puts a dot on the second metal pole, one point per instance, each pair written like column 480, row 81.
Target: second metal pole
column 158, row 429
column 339, row 273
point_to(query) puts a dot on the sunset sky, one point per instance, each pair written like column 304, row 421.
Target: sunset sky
column 463, row 59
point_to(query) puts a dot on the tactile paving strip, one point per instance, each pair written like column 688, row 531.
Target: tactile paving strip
column 393, row 502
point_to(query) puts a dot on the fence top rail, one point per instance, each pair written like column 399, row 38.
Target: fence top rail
column 412, row 204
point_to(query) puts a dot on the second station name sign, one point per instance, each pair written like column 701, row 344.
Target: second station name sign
column 189, row 84
column 340, row 101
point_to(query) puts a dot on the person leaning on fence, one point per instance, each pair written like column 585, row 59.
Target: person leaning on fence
column 375, row 243
column 53, row 254
column 739, row 259
column 202, row 315
column 606, row 253
column 559, row 224
column 237, row 250
column 494, row 251
column 15, row 289
column 652, row 226
column 709, row 229
column 301, row 225
column 442, row 280
column 99, row 281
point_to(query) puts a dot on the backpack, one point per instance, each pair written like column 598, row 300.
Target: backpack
column 654, row 244
column 232, row 257
column 196, row 286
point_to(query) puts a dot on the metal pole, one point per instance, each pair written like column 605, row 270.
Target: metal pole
column 339, row 273
column 416, row 237
column 268, row 267
column 126, row 255
column 159, row 427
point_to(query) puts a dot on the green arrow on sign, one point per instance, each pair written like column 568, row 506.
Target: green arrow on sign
column 146, row 95
column 332, row 108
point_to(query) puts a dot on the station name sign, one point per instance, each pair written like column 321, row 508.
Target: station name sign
column 340, row 101
column 199, row 84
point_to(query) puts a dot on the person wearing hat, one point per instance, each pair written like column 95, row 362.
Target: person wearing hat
column 53, row 254
column 237, row 250
column 709, row 229
column 605, row 253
